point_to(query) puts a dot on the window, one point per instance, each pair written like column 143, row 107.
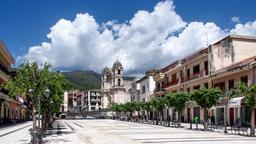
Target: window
column 196, row 87
column 220, row 85
column 188, row 72
column 196, row 69
column 188, row 89
column 119, row 82
column 158, row 87
column 231, row 84
column 143, row 89
column 206, row 67
column 206, row 85
column 244, row 79
column 119, row 71
column 181, row 75
column 174, row 77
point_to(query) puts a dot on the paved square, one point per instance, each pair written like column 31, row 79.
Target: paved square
column 119, row 132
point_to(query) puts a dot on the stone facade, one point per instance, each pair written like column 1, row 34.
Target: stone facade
column 114, row 88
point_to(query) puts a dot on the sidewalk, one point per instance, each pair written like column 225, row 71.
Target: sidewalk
column 7, row 129
column 61, row 133
column 16, row 134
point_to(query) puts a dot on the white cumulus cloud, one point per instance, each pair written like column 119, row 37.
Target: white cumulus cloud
column 148, row 40
column 235, row 19
column 248, row 28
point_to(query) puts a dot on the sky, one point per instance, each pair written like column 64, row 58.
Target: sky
column 142, row 34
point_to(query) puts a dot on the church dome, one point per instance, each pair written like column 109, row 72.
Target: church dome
column 106, row 70
column 117, row 64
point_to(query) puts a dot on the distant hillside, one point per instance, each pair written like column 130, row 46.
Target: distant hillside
column 83, row 80
column 86, row 80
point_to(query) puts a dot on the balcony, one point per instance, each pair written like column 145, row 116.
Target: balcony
column 158, row 90
column 4, row 70
column 172, row 83
column 95, row 100
column 195, row 75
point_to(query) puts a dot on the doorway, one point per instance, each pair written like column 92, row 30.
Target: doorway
column 197, row 112
column 231, row 116
column 255, row 116
column 188, row 114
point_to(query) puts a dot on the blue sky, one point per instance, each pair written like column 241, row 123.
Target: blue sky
column 26, row 23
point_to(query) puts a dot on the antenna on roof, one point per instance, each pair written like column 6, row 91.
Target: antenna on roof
column 206, row 35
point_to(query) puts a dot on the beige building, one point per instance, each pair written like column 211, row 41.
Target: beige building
column 222, row 64
column 74, row 101
column 114, row 88
column 92, row 100
column 11, row 110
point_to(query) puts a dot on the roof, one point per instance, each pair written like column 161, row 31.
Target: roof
column 236, row 37
column 204, row 50
column 143, row 78
column 105, row 70
column 6, row 51
column 117, row 64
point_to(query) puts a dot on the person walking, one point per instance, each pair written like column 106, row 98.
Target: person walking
column 196, row 121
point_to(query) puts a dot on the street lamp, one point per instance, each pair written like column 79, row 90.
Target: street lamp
column 47, row 93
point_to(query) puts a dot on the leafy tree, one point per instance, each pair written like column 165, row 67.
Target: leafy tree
column 116, row 108
column 30, row 76
column 206, row 98
column 180, row 100
column 158, row 104
column 249, row 92
column 169, row 100
column 147, row 107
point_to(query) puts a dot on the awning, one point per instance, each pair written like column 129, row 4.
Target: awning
column 234, row 102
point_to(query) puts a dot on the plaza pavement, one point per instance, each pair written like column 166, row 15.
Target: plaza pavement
column 120, row 132
column 16, row 134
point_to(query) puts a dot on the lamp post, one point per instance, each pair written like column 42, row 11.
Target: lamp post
column 30, row 93
column 225, row 111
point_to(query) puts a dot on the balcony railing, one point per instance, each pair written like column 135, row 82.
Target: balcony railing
column 195, row 75
column 95, row 100
column 172, row 83
column 158, row 89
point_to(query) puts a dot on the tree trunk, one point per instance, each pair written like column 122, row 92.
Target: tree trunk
column 43, row 121
column 252, row 123
column 34, row 124
column 179, row 118
column 147, row 117
column 205, row 119
column 160, row 116
column 142, row 116
column 34, row 118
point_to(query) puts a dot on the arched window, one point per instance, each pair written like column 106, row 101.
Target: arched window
column 119, row 82
column 119, row 71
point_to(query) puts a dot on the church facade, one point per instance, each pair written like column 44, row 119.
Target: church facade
column 114, row 88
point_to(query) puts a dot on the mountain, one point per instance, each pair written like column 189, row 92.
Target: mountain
column 83, row 80
column 86, row 80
